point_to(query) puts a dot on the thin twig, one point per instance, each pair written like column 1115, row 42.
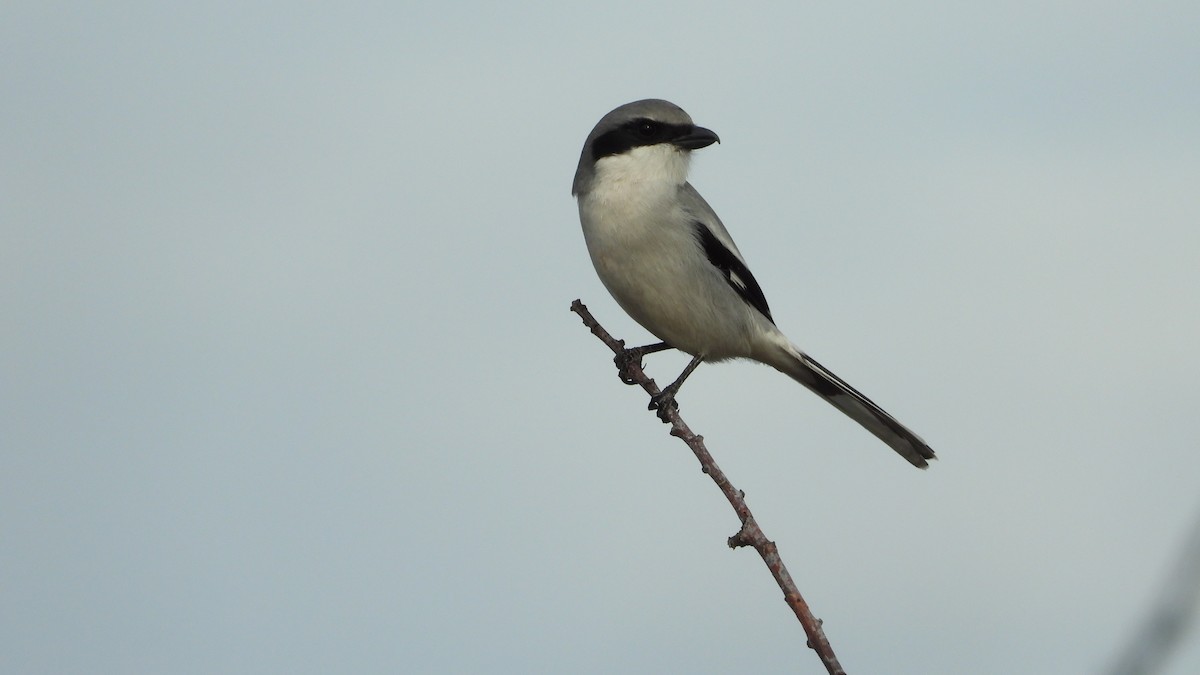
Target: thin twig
column 750, row 533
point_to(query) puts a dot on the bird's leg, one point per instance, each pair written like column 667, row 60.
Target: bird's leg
column 629, row 357
column 665, row 399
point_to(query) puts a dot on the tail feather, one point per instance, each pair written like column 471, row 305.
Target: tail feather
column 805, row 370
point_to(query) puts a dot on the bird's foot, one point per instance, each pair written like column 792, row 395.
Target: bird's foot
column 663, row 402
column 625, row 360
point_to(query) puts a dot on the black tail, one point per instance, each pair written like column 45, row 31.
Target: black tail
column 859, row 408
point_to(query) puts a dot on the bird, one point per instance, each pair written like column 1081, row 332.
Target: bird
column 665, row 257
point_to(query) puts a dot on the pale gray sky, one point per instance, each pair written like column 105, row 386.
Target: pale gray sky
column 290, row 383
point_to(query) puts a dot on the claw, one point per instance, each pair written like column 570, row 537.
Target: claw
column 663, row 402
column 626, row 359
column 662, row 399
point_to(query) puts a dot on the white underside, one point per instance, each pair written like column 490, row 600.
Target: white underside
column 643, row 244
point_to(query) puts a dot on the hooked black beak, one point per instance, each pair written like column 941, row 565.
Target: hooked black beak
column 697, row 138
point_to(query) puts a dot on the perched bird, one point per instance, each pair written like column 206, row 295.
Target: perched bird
column 669, row 262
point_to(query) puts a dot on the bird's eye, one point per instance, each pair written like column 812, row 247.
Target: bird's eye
column 647, row 128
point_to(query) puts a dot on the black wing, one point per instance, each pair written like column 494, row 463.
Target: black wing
column 733, row 269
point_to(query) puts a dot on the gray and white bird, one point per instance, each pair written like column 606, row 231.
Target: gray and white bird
column 668, row 261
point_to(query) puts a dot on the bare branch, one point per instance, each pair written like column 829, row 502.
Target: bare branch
column 750, row 534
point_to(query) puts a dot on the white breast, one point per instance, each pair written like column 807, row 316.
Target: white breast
column 644, row 246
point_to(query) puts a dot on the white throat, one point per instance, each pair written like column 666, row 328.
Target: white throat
column 649, row 167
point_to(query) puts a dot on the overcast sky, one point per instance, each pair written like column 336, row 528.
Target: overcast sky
column 289, row 381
